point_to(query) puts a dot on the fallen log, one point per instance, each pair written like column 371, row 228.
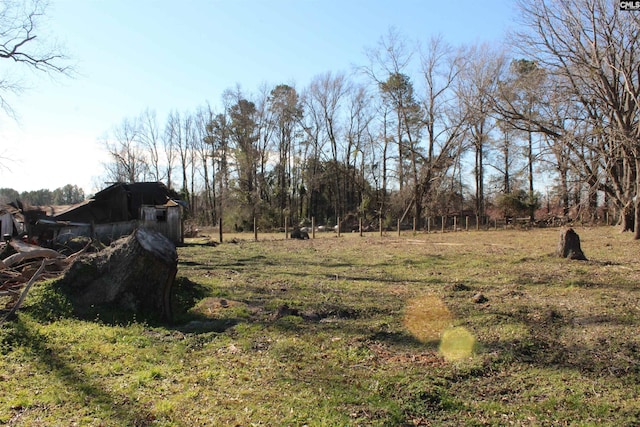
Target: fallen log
column 20, row 257
column 20, row 246
column 134, row 274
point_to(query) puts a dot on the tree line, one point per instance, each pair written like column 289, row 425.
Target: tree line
column 67, row 195
column 418, row 131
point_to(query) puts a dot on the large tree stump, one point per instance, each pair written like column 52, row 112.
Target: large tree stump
column 569, row 246
column 136, row 274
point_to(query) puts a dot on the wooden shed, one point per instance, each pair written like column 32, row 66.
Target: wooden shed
column 122, row 207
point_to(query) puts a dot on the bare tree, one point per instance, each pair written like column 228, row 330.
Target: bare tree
column 379, row 169
column 520, row 104
column 286, row 111
column 398, row 92
column 169, row 147
column 202, row 147
column 244, row 137
column 358, row 136
column 264, row 143
column 312, row 124
column 128, row 160
column 21, row 42
column 149, row 138
column 476, row 89
column 389, row 63
column 505, row 162
column 324, row 101
column 591, row 48
column 219, row 134
column 177, row 131
column 444, row 122
column 564, row 115
column 193, row 160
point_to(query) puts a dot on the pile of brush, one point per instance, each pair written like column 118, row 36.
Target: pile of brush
column 21, row 264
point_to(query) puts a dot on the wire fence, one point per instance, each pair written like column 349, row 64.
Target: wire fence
column 436, row 224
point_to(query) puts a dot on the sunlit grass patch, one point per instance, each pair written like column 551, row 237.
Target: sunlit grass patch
column 217, row 308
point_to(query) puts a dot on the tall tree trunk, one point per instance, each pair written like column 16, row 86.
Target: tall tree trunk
column 384, row 169
column 627, row 217
column 400, row 154
column 214, row 199
column 636, row 201
column 532, row 207
column 564, row 184
column 479, row 175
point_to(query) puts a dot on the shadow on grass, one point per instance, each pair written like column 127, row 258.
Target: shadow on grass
column 545, row 345
column 198, row 244
column 192, row 264
column 403, row 340
column 48, row 302
column 120, row 409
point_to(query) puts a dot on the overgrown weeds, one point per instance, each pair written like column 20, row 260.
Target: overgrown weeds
column 371, row 331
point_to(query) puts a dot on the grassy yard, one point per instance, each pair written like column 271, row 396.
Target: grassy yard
column 468, row 328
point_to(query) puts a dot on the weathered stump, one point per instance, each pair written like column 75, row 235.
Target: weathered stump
column 569, row 246
column 135, row 274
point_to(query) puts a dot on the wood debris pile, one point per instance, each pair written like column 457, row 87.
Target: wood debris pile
column 135, row 274
column 21, row 264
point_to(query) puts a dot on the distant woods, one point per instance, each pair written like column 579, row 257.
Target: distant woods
column 67, row 195
column 548, row 127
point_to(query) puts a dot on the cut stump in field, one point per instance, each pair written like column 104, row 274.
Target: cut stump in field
column 136, row 274
column 569, row 246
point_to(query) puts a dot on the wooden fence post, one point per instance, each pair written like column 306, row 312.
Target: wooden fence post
column 255, row 229
column 380, row 226
column 313, row 227
column 286, row 228
column 338, row 226
column 360, row 226
column 220, row 228
column 443, row 221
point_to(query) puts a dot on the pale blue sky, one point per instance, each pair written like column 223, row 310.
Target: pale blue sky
column 179, row 55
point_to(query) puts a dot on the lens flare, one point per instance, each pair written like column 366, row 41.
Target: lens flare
column 427, row 318
column 456, row 344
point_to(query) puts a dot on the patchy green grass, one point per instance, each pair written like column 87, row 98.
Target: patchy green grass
column 348, row 331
